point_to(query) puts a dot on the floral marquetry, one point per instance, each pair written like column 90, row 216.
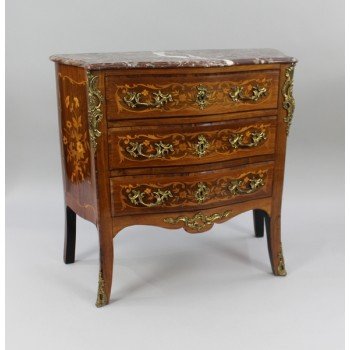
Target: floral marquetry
column 75, row 130
column 75, row 141
column 78, row 177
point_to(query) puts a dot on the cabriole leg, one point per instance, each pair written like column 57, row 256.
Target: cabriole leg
column 106, row 268
column 273, row 233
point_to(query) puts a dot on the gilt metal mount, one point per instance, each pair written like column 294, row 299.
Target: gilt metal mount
column 95, row 114
column 199, row 221
column 133, row 99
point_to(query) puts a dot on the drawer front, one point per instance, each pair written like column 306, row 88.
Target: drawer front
column 170, row 95
column 190, row 144
column 190, row 191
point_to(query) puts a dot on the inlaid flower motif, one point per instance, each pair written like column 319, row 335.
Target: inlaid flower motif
column 183, row 147
column 76, row 102
column 148, row 191
column 182, row 97
column 76, row 142
column 183, row 194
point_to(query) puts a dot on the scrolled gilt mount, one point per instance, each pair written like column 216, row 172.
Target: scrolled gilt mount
column 257, row 93
column 95, row 114
column 133, row 100
column 161, row 150
column 247, row 184
column 255, row 139
column 289, row 101
column 136, row 197
column 199, row 221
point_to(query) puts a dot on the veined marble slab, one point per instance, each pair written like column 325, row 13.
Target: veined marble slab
column 173, row 59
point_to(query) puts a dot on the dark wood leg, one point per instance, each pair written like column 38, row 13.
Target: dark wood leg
column 259, row 217
column 70, row 236
column 273, row 233
column 106, row 268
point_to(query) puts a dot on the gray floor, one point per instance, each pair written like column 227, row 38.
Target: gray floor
column 172, row 290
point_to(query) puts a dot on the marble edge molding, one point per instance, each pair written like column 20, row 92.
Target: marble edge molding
column 173, row 59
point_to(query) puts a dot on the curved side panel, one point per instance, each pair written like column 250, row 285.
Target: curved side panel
column 76, row 150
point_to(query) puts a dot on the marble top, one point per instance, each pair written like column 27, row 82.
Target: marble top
column 173, row 59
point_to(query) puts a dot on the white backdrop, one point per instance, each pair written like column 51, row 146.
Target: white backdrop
column 172, row 290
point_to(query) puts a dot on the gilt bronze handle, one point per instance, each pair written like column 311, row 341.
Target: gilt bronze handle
column 161, row 150
column 257, row 93
column 254, row 139
column 133, row 100
column 247, row 184
column 136, row 197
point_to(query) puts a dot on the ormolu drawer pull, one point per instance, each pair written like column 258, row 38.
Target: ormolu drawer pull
column 237, row 94
column 255, row 138
column 161, row 150
column 132, row 99
column 248, row 184
column 136, row 197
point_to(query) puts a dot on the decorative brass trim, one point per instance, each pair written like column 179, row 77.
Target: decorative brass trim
column 101, row 292
column 199, row 221
column 289, row 101
column 133, row 100
column 137, row 197
column 281, row 268
column 95, row 114
column 248, row 184
column 257, row 93
column 161, row 148
column 255, row 138
column 202, row 96
column 202, row 146
column 202, row 192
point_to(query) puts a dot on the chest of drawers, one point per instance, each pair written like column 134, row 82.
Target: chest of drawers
column 173, row 139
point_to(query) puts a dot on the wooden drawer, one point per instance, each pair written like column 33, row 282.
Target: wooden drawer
column 170, row 95
column 190, row 143
column 189, row 191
